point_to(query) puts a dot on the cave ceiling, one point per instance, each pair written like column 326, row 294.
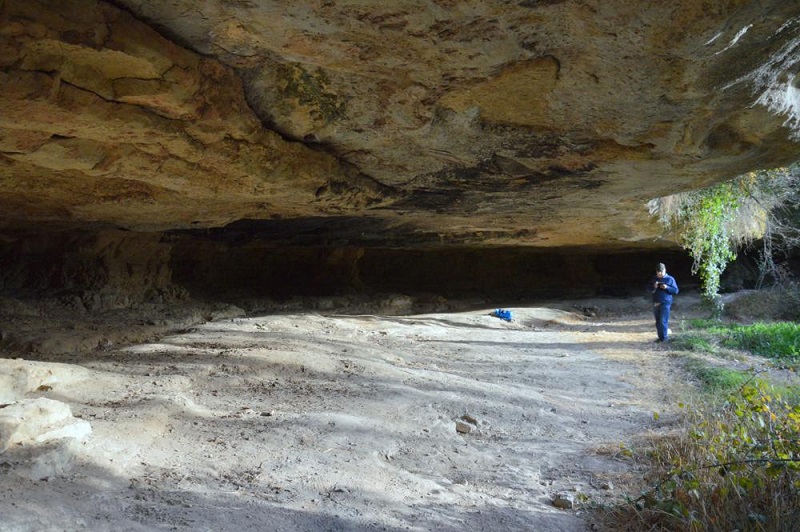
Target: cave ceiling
column 405, row 123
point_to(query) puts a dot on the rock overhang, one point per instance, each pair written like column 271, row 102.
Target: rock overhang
column 412, row 124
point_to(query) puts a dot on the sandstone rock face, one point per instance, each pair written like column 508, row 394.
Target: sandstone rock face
column 105, row 121
column 406, row 123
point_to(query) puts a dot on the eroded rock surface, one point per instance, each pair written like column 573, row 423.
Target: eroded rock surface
column 105, row 121
column 545, row 123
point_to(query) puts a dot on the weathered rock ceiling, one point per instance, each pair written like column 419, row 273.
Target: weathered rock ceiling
column 404, row 123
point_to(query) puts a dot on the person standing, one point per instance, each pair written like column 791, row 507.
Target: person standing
column 663, row 287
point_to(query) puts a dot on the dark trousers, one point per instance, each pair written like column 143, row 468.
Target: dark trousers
column 661, row 314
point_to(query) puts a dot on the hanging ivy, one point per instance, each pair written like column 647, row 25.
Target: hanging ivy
column 712, row 223
column 705, row 218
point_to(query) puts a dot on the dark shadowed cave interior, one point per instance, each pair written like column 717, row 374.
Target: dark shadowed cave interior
column 232, row 265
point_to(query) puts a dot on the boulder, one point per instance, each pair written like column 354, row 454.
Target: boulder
column 32, row 422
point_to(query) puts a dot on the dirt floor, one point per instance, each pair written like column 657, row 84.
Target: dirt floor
column 322, row 420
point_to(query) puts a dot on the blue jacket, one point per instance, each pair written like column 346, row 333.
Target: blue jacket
column 663, row 295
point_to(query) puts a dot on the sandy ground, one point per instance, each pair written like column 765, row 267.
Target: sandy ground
column 322, row 422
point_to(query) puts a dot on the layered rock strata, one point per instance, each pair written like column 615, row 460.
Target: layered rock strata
column 545, row 123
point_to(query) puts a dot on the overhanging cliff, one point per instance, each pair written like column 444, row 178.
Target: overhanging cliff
column 151, row 139
column 545, row 123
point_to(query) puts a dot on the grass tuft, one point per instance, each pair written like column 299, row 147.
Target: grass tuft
column 698, row 343
column 717, row 379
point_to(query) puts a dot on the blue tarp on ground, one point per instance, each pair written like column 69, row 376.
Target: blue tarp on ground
column 503, row 314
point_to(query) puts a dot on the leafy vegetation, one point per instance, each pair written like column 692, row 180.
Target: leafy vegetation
column 733, row 467
column 706, row 232
column 703, row 220
column 734, row 463
column 717, row 379
column 713, row 223
column 779, row 341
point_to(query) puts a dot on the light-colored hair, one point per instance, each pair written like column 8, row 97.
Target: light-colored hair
column 660, row 267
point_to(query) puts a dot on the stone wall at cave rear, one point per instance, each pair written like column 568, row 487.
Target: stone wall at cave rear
column 401, row 124
column 96, row 271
